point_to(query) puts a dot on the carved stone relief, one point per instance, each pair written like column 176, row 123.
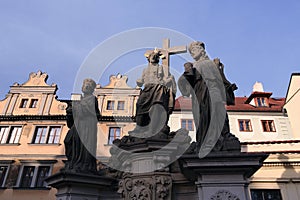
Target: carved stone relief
column 224, row 195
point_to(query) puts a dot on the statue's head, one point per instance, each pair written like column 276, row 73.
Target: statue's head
column 154, row 56
column 197, row 50
column 188, row 66
column 217, row 61
column 88, row 86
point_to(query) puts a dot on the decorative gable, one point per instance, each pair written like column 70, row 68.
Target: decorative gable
column 34, row 97
column 119, row 82
column 117, row 98
column 36, row 79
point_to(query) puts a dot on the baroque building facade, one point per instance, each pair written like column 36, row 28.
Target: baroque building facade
column 33, row 127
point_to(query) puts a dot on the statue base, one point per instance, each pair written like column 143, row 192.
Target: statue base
column 222, row 175
column 78, row 186
column 146, row 162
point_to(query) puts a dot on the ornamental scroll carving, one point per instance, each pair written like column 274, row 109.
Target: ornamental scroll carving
column 224, row 195
column 146, row 188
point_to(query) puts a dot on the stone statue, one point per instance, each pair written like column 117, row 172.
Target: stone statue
column 159, row 89
column 210, row 91
column 81, row 139
column 229, row 88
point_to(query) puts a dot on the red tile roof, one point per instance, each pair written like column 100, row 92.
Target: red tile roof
column 276, row 104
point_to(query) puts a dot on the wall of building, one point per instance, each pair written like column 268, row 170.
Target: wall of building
column 292, row 103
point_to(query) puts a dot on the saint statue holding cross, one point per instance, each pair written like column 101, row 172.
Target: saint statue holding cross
column 157, row 98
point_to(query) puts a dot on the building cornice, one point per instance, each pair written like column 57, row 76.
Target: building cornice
column 63, row 117
column 31, row 117
column 271, row 142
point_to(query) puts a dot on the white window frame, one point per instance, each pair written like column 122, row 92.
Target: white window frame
column 9, row 130
column 48, row 127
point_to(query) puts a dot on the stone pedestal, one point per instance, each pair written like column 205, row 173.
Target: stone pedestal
column 146, row 165
column 77, row 186
column 222, row 175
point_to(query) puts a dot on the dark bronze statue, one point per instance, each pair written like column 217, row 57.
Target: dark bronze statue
column 81, row 139
column 205, row 81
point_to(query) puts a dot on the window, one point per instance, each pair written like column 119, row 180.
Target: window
column 263, row 194
column 188, row 124
column 43, row 172
column 10, row 134
column 114, row 133
column 34, row 176
column 46, row 135
column 110, row 105
column 3, row 174
column 54, row 134
column 23, row 103
column 3, row 134
column 268, row 125
column 121, row 105
column 33, row 103
column 245, row 125
column 261, row 102
column 27, row 176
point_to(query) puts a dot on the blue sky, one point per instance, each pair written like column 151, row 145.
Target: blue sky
column 256, row 40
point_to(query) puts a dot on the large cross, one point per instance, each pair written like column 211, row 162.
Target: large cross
column 167, row 51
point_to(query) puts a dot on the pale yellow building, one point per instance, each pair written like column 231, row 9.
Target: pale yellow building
column 32, row 130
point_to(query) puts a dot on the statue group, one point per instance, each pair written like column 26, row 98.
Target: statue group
column 203, row 80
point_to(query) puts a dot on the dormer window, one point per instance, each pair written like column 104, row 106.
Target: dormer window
column 261, row 102
column 258, row 97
